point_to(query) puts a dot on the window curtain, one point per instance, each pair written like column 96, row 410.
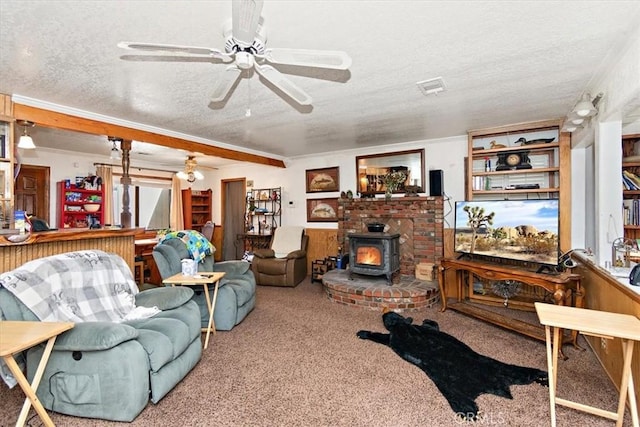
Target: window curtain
column 176, row 218
column 105, row 172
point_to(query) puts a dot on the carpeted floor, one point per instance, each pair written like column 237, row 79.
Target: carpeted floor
column 296, row 361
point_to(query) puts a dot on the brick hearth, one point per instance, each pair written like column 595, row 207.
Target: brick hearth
column 373, row 293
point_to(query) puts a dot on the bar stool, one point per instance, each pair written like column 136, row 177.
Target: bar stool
column 598, row 324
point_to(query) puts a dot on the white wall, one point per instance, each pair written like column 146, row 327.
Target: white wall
column 447, row 154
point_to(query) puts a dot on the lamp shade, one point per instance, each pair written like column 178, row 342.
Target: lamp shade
column 26, row 142
column 585, row 107
column 115, row 154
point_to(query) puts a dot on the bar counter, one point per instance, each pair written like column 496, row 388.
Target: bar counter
column 45, row 243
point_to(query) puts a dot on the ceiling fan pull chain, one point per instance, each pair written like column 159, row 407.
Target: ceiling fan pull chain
column 248, row 111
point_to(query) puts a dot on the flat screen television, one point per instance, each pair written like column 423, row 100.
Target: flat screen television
column 523, row 230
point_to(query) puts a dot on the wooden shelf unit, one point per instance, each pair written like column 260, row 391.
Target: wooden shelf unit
column 196, row 208
column 550, row 167
column 263, row 210
column 631, row 198
column 6, row 163
column 71, row 213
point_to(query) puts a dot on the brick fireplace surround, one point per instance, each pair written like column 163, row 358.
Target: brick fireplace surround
column 420, row 223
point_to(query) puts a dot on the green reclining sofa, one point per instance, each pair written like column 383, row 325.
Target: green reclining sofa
column 103, row 368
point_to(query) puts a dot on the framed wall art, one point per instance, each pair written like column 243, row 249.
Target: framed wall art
column 322, row 210
column 323, row 180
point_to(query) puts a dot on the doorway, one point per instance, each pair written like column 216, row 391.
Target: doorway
column 233, row 222
column 32, row 191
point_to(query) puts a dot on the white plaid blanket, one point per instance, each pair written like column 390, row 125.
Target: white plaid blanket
column 81, row 286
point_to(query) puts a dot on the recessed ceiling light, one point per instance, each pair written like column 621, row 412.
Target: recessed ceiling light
column 432, row 86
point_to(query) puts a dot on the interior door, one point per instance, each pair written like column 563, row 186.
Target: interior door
column 32, row 191
column 233, row 205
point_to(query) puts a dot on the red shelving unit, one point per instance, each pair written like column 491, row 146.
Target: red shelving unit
column 71, row 211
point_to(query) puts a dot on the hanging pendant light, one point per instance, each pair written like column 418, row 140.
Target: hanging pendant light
column 115, row 152
column 25, row 140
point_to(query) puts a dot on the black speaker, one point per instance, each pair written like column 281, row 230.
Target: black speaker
column 436, row 187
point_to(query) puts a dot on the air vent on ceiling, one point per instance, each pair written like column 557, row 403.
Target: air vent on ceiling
column 431, row 86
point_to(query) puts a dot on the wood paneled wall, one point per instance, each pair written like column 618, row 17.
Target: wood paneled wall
column 322, row 243
column 121, row 243
column 603, row 292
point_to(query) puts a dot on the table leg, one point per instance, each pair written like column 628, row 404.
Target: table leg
column 211, row 323
column 30, row 389
column 210, row 308
column 626, row 386
column 552, row 360
column 443, row 292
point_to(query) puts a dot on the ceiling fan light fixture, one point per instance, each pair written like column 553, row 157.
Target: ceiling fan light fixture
column 190, row 174
column 25, row 140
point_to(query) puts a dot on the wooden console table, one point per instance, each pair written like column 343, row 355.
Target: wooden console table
column 564, row 287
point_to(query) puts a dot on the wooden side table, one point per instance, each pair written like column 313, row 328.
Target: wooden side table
column 16, row 337
column 204, row 279
column 599, row 324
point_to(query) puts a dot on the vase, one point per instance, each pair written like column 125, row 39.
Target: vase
column 388, row 193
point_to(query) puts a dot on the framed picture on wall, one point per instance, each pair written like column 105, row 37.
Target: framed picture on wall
column 323, row 180
column 322, row 210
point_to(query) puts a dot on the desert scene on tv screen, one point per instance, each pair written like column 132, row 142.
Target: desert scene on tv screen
column 520, row 230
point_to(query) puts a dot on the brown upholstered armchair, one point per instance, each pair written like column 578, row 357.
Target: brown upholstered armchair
column 285, row 262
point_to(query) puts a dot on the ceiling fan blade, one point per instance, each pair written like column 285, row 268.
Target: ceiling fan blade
column 172, row 48
column 245, row 18
column 285, row 85
column 336, row 60
column 225, row 83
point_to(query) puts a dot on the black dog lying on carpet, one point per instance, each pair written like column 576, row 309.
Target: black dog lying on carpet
column 460, row 373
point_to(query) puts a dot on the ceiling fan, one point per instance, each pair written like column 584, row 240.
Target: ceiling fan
column 245, row 49
column 190, row 173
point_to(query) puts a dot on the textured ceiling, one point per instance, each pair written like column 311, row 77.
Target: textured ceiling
column 502, row 63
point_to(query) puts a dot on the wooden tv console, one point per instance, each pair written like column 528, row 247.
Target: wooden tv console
column 564, row 287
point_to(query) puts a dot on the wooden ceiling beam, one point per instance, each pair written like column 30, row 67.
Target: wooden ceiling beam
column 56, row 120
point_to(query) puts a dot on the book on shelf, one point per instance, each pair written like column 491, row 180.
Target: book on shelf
column 631, row 179
column 631, row 211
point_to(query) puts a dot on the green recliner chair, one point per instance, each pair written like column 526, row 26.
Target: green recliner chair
column 236, row 290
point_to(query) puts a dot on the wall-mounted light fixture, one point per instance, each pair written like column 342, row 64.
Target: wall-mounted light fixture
column 26, row 141
column 582, row 113
column 585, row 107
column 115, row 152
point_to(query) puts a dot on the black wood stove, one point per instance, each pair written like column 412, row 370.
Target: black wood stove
column 374, row 254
